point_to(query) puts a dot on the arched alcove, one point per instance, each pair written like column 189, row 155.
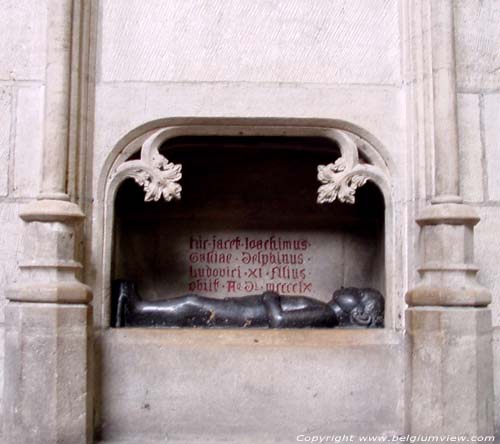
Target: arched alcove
column 253, row 184
column 248, row 221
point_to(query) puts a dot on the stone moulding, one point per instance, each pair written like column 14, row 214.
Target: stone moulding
column 342, row 178
column 155, row 173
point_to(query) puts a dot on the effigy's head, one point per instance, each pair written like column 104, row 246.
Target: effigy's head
column 373, row 305
column 358, row 307
column 343, row 302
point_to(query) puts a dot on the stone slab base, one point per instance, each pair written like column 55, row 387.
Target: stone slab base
column 46, row 373
column 452, row 371
column 199, row 385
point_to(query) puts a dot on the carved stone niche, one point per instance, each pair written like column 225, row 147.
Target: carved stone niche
column 225, row 216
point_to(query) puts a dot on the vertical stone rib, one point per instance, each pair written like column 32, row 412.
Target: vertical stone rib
column 447, row 186
column 48, row 319
column 448, row 320
column 57, row 97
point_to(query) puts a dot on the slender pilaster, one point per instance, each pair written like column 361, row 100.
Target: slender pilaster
column 57, row 99
column 48, row 316
column 448, row 322
column 447, row 187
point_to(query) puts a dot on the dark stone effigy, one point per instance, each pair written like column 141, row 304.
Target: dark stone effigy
column 349, row 307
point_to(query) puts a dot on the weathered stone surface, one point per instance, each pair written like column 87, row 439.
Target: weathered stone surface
column 46, row 394
column 469, row 131
column 5, row 119
column 491, row 116
column 452, row 371
column 477, row 36
column 22, row 54
column 486, row 247
column 10, row 249
column 261, row 41
column 28, row 141
column 270, row 385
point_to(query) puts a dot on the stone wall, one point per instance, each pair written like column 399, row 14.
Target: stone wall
column 160, row 59
column 478, row 75
column 22, row 71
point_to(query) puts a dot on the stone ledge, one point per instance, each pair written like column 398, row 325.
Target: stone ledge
column 214, row 337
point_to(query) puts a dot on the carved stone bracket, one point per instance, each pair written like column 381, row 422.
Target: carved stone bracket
column 341, row 179
column 155, row 173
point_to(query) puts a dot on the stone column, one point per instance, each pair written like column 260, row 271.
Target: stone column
column 48, row 316
column 448, row 322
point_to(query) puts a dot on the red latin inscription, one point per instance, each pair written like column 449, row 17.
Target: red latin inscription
column 236, row 265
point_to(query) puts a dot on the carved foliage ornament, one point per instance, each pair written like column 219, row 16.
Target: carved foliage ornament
column 159, row 177
column 341, row 179
column 338, row 182
column 154, row 173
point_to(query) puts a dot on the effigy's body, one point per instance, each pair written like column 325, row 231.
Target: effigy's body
column 348, row 307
